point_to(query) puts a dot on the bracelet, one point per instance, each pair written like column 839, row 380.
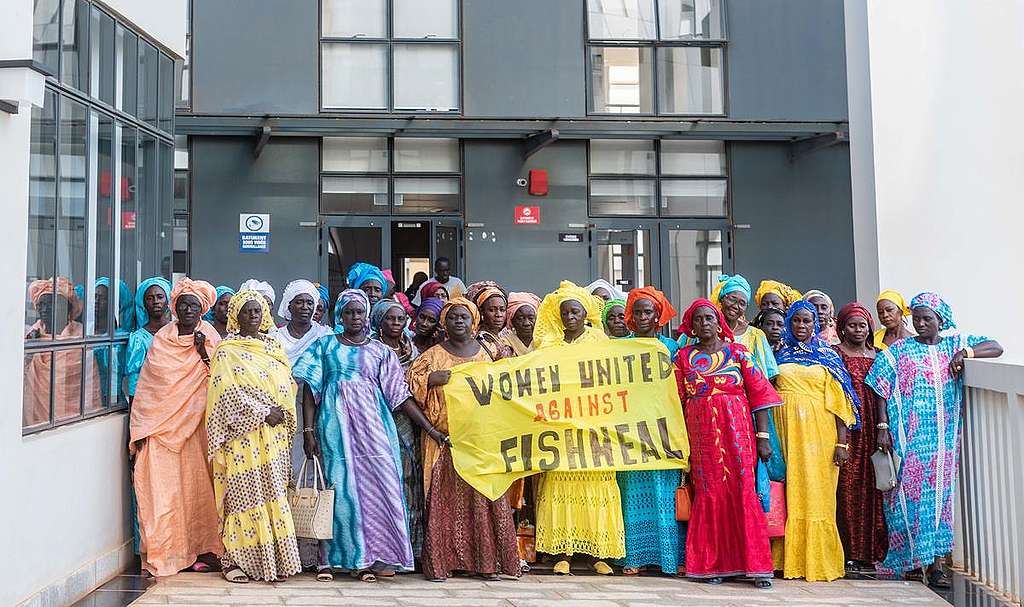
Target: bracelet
column 763, row 435
column 309, row 429
column 969, row 352
column 882, row 426
column 842, row 446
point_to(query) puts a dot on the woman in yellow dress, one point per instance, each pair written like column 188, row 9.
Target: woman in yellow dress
column 818, row 407
column 892, row 313
column 576, row 511
column 250, row 420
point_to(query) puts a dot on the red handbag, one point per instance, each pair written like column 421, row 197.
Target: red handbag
column 776, row 516
column 684, row 501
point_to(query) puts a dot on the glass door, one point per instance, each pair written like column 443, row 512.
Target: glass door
column 626, row 254
column 346, row 240
column 695, row 254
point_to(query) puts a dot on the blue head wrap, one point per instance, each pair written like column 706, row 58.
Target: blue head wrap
column 221, row 292
column 431, row 304
column 361, row 272
column 125, row 303
column 140, row 297
column 815, row 352
column 344, row 298
column 730, row 284
column 324, row 293
column 933, row 302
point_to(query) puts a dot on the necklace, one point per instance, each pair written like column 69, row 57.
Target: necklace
column 346, row 340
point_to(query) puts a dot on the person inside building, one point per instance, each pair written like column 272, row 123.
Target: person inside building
column 466, row 532
column 520, row 319
column 250, row 421
column 613, row 318
column 178, row 517
column 425, row 327
column 152, row 309
column 218, row 314
column 434, row 290
column 263, row 288
column 818, row 407
column 491, row 301
column 721, row 388
column 772, row 294
column 577, row 512
column 826, row 312
column 892, row 315
column 771, row 322
column 920, row 384
column 414, row 287
column 605, row 290
column 370, row 279
column 320, row 313
column 453, row 285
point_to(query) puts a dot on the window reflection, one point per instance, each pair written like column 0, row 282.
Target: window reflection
column 36, row 404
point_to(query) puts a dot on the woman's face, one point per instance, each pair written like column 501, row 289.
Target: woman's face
column 616, row 325
column 442, row 294
column 301, row 308
column 821, row 305
column 772, row 301
column 705, row 324
column 524, row 320
column 855, row 331
column 492, row 313
column 250, row 316
column 802, row 325
column 393, row 324
column 318, row 312
column 426, row 323
column 220, row 308
column 188, row 309
column 155, row 302
column 645, row 316
column 100, row 307
column 888, row 314
column 572, row 314
column 353, row 318
column 458, row 322
column 374, row 290
column 734, row 306
column 772, row 326
column 602, row 293
column 926, row 322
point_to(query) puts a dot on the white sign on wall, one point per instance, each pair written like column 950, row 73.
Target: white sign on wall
column 254, row 232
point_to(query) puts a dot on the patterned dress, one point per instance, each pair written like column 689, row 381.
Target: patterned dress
column 726, row 533
column 357, row 389
column 924, row 406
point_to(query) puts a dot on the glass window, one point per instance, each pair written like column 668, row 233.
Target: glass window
column 165, row 175
column 126, row 56
column 620, row 19
column 425, row 18
column 131, row 269
column 166, row 80
column 97, row 380
column 621, row 80
column 692, row 157
column 74, row 42
column 426, row 155
column 622, row 197
column 149, row 74
column 693, row 197
column 427, row 195
column 71, row 218
column 101, row 240
column 181, row 191
column 67, row 382
column 695, row 263
column 355, row 154
column 46, row 33
column 622, row 157
column 689, row 19
column 101, row 56
column 148, row 204
column 426, row 77
column 354, row 18
column 354, row 76
column 42, row 211
column 690, row 80
column 37, row 388
column 354, row 195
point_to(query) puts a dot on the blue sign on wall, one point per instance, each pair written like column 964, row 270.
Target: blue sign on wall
column 254, row 232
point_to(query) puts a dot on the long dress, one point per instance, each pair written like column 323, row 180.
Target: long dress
column 860, row 516
column 252, row 459
column 177, row 513
column 67, row 384
column 357, row 389
column 811, row 401
column 581, row 511
column 726, row 534
column 653, row 535
column 924, row 404
column 464, row 530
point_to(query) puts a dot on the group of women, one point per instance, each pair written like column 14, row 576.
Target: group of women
column 226, row 407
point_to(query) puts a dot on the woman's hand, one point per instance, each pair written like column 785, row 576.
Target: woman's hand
column 956, row 365
column 884, row 441
column 200, row 342
column 275, row 417
column 310, row 444
column 438, row 378
column 439, row 437
column 840, row 456
column 764, row 449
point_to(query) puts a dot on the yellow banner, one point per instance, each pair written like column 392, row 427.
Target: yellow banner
column 608, row 406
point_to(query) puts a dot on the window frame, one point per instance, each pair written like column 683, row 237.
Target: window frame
column 389, row 41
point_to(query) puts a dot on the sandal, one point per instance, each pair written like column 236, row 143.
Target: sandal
column 366, row 576
column 385, row 573
column 561, row 568
column 490, row 577
column 602, row 568
column 714, row 581
column 763, row 584
column 630, row 570
column 236, row 575
column 200, row 567
column 939, row 578
column 325, row 575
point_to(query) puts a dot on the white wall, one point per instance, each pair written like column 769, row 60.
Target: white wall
column 945, row 98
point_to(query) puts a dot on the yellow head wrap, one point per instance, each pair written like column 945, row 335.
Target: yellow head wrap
column 240, row 299
column 786, row 292
column 896, row 298
column 549, row 329
column 461, row 302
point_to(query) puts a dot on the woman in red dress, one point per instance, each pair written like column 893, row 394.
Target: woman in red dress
column 721, row 386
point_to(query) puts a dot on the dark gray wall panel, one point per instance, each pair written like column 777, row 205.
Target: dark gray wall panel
column 255, row 56
column 523, row 58
column 800, row 216
column 525, row 258
column 228, row 180
column 786, row 59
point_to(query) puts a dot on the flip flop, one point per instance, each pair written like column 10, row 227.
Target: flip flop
column 367, row 576
column 324, row 576
column 236, row 575
column 200, row 567
column 561, row 568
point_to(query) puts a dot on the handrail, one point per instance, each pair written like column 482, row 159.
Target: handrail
column 989, row 522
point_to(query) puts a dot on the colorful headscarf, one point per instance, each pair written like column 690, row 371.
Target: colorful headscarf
column 379, row 311
column 295, row 288
column 263, row 288
column 936, row 304
column 730, row 284
column 661, row 304
column 896, row 298
column 140, row 296
column 482, row 290
column 200, row 289
column 607, row 309
column 221, row 292
column 64, row 288
column 518, row 299
column 613, row 291
column 430, row 290
column 457, row 302
column 325, row 294
column 240, row 299
column 431, row 304
column 403, row 299
column 785, row 292
column 856, row 309
column 360, row 272
column 686, row 328
column 549, row 329
column 815, row 352
column 125, row 302
column 816, row 293
column 344, row 298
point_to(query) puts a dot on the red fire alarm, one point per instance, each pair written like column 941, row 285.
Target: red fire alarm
column 538, row 182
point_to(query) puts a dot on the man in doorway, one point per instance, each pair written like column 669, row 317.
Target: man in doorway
column 443, row 275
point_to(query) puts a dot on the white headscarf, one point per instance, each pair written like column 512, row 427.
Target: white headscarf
column 294, row 288
column 263, row 288
column 601, row 283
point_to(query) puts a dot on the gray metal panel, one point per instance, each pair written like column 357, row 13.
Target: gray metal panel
column 786, row 59
column 255, row 56
column 523, row 257
column 800, row 216
column 523, row 58
column 228, row 180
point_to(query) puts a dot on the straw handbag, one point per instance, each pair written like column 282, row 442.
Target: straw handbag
column 312, row 507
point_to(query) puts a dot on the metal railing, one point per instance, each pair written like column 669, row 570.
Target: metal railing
column 989, row 528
